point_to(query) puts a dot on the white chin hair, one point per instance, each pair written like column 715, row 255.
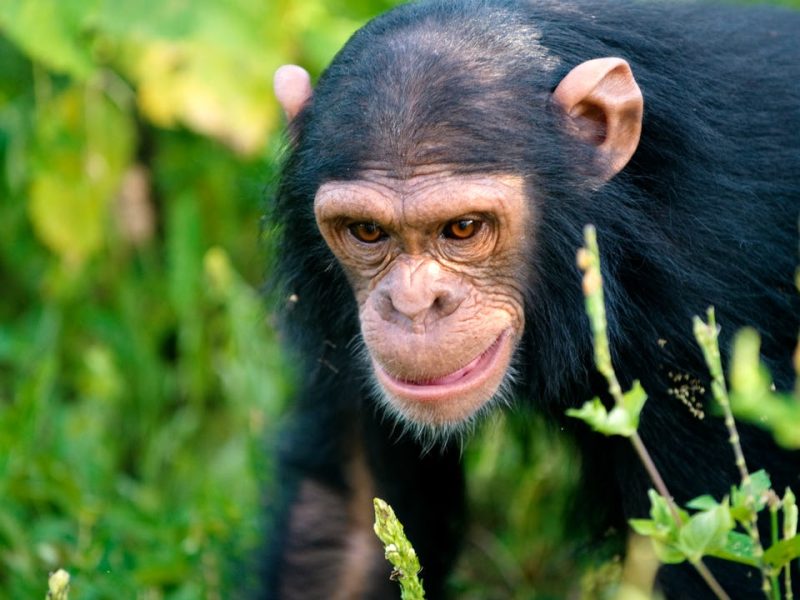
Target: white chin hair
column 430, row 434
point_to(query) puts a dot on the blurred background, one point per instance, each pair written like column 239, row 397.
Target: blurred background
column 141, row 382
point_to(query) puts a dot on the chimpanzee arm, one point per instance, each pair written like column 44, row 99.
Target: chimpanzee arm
column 335, row 458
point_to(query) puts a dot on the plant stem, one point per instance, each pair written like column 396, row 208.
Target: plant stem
column 707, row 335
column 710, row 580
column 588, row 260
column 787, row 579
column 655, row 476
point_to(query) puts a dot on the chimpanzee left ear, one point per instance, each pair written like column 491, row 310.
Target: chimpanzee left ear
column 292, row 86
column 606, row 106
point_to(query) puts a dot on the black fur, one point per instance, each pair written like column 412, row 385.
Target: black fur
column 704, row 214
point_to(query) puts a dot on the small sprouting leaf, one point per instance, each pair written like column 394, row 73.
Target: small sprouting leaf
column 661, row 513
column 702, row 503
column 621, row 420
column 661, row 525
column 398, row 551
column 662, row 536
column 593, row 413
column 760, row 482
column 759, row 485
column 634, row 400
column 645, row 527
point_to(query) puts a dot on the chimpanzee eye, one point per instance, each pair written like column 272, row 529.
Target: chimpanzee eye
column 369, row 233
column 461, row 229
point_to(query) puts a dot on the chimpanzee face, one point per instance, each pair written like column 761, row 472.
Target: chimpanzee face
column 434, row 261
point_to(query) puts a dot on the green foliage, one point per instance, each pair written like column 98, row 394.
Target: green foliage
column 398, row 551
column 138, row 370
column 522, row 542
column 622, row 420
column 707, row 532
column 753, row 396
column 726, row 529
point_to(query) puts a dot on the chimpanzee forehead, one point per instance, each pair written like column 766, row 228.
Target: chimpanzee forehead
column 436, row 89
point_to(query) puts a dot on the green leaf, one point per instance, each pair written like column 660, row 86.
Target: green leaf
column 645, row 527
column 51, row 32
column 759, row 485
column 82, row 151
column 752, row 396
column 667, row 553
column 592, row 412
column 634, row 400
column 660, row 511
column 748, row 376
column 780, row 554
column 68, row 218
column 702, row 503
column 661, row 529
column 706, row 531
column 620, row 421
column 738, row 548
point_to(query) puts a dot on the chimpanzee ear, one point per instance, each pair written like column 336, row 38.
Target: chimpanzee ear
column 606, row 107
column 292, row 89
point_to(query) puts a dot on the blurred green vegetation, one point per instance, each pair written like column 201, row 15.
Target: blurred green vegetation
column 138, row 370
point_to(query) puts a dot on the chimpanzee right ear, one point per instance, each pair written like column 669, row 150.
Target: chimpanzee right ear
column 292, row 86
column 605, row 105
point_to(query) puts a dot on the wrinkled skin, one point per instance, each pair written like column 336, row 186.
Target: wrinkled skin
column 434, row 263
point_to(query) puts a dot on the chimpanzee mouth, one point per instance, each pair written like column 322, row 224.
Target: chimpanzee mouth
column 473, row 375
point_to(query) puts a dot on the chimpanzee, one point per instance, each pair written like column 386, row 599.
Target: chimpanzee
column 433, row 195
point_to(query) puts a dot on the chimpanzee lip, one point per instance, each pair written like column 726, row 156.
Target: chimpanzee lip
column 460, row 381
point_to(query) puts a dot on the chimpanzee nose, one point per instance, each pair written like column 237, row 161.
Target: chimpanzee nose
column 420, row 292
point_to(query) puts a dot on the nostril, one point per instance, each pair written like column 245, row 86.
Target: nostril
column 385, row 306
column 443, row 305
column 447, row 302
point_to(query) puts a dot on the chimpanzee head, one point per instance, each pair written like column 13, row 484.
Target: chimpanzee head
column 427, row 152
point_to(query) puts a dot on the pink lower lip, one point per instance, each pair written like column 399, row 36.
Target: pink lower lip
column 448, row 385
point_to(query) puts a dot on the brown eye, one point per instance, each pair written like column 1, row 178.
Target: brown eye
column 369, row 233
column 462, row 229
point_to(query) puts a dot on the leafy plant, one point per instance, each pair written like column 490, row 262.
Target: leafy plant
column 728, row 528
column 398, row 551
